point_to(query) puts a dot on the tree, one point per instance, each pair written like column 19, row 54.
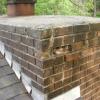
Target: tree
column 3, row 6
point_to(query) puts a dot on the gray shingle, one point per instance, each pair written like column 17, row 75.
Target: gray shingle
column 3, row 62
column 12, row 91
column 21, row 97
column 10, row 87
column 5, row 71
column 8, row 80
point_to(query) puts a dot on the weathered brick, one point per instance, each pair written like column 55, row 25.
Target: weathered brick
column 27, row 40
column 67, row 81
column 16, row 37
column 59, row 31
column 78, row 46
column 68, row 39
column 73, row 56
column 95, row 27
column 31, row 51
column 18, row 53
column 79, row 37
column 24, row 63
column 44, row 81
column 58, row 60
column 81, row 28
column 49, row 88
column 48, row 72
column 63, row 31
column 67, row 73
column 8, row 48
column 29, row 58
column 35, row 70
column 29, row 73
column 58, row 68
column 45, row 63
column 39, row 33
column 42, row 45
column 21, row 30
column 57, row 77
column 59, row 41
column 55, row 93
column 8, row 28
column 46, row 33
column 6, row 34
column 57, row 85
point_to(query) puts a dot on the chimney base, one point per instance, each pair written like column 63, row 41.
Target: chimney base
column 20, row 9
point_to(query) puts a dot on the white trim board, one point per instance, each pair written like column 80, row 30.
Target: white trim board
column 73, row 94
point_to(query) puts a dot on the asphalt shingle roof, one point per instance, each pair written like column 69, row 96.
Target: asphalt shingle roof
column 10, row 87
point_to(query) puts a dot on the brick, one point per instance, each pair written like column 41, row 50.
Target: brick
column 8, row 48
column 29, row 58
column 67, row 88
column 91, row 35
column 27, row 41
column 6, row 34
column 15, row 58
column 8, row 28
column 18, row 53
column 39, row 34
column 35, row 70
column 58, row 60
column 45, row 81
column 22, row 48
column 81, row 28
column 18, row 46
column 68, row 39
column 24, row 63
column 95, row 27
column 76, row 76
column 42, row 45
column 75, row 83
column 67, row 81
column 38, row 86
column 63, row 31
column 21, row 30
column 58, row 68
column 57, row 85
column 29, row 73
column 56, row 93
column 45, row 63
column 34, row 33
column 79, row 37
column 59, row 31
column 58, row 42
column 31, row 51
column 49, row 88
column 57, row 77
column 74, row 56
column 78, row 46
column 16, row 37
column 46, row 33
column 67, row 73
column 48, row 72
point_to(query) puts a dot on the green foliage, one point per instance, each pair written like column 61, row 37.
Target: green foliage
column 2, row 6
column 89, row 7
column 63, row 7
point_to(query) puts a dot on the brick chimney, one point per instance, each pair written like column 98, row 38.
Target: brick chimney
column 20, row 7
